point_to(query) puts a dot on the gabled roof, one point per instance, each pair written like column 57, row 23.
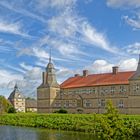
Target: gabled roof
column 98, row 80
column 31, row 103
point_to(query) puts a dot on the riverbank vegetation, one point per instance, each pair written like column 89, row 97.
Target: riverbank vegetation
column 109, row 126
column 5, row 106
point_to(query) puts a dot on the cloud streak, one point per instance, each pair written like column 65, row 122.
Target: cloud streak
column 12, row 28
column 123, row 3
column 133, row 22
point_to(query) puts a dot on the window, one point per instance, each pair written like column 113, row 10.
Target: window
column 122, row 89
column 66, row 104
column 79, row 103
column 101, row 103
column 92, row 90
column 88, row 103
column 104, row 91
column 73, row 103
column 121, row 104
column 57, row 104
column 112, row 89
column 136, row 87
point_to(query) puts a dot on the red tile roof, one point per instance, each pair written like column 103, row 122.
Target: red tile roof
column 97, row 80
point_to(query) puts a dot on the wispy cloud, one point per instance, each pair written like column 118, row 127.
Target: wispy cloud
column 15, row 69
column 25, row 66
column 133, row 48
column 92, row 36
column 133, row 22
column 131, row 5
column 55, row 3
column 21, row 10
column 123, row 3
column 12, row 28
column 7, row 76
column 78, row 30
column 64, row 46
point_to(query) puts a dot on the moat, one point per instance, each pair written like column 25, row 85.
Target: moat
column 25, row 133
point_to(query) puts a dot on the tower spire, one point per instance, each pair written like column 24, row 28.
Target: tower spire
column 16, row 86
column 50, row 57
column 139, row 59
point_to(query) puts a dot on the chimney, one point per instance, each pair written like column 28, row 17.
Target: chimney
column 76, row 75
column 44, row 78
column 85, row 73
column 115, row 69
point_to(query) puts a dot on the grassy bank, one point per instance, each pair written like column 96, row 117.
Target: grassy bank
column 74, row 122
column 91, row 123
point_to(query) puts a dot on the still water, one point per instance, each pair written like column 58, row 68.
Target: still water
column 24, row 133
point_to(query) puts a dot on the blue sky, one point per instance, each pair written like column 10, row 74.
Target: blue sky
column 83, row 34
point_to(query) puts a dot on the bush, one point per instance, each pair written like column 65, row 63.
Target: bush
column 11, row 109
column 4, row 104
column 111, row 126
column 61, row 111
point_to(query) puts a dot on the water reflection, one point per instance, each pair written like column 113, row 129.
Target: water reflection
column 23, row 133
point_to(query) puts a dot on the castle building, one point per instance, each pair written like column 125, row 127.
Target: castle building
column 88, row 93
column 30, row 105
column 17, row 100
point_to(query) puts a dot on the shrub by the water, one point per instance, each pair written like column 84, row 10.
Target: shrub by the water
column 112, row 127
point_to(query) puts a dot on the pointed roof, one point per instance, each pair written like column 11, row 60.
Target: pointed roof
column 50, row 58
column 50, row 76
column 15, row 93
column 50, row 64
column 136, row 75
column 16, row 87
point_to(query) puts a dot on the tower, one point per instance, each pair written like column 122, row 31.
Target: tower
column 48, row 90
column 17, row 100
column 134, row 95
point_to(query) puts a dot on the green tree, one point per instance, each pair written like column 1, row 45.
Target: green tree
column 111, row 126
column 4, row 104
